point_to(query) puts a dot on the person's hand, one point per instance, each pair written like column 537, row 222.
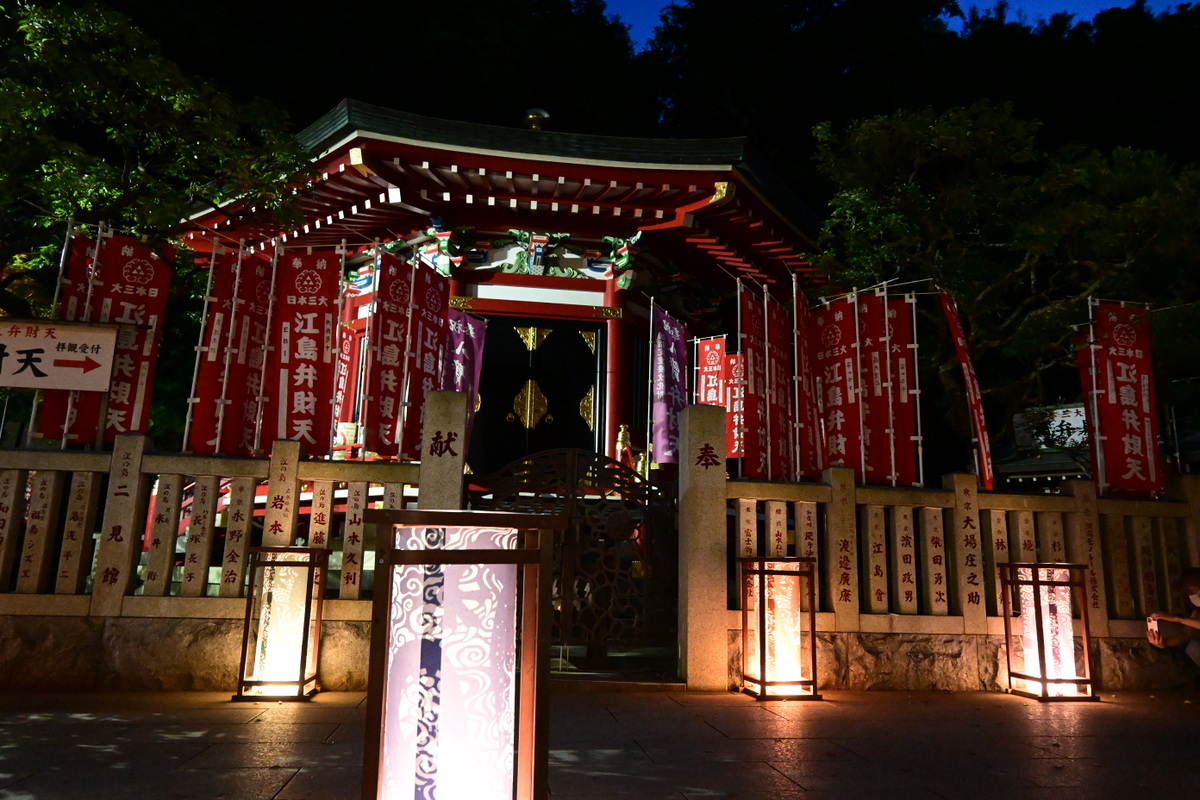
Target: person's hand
column 1164, row 616
column 1156, row 639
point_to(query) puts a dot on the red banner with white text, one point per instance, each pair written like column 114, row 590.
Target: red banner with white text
column 210, row 407
column 129, row 283
column 389, row 335
column 1118, row 377
column 302, row 364
column 832, row 337
column 812, row 443
column 430, row 310
column 781, row 432
column 756, row 453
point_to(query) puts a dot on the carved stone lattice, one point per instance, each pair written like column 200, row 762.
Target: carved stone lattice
column 614, row 573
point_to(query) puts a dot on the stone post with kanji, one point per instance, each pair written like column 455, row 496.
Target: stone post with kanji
column 283, row 486
column 967, row 550
column 443, row 452
column 703, row 597
column 122, row 527
column 841, row 568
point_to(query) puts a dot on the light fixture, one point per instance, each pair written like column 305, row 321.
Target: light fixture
column 457, row 703
column 1039, row 631
column 282, row 633
column 779, row 647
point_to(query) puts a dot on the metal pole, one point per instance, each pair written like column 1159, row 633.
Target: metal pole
column 200, row 348
column 267, row 346
column 911, row 299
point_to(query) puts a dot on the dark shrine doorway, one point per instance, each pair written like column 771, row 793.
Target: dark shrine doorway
column 540, row 388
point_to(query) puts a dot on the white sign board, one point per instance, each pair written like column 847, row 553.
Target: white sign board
column 43, row 354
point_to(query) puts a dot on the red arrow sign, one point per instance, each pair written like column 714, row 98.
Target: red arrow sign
column 87, row 364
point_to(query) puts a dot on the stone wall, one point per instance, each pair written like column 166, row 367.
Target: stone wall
column 969, row 663
column 148, row 654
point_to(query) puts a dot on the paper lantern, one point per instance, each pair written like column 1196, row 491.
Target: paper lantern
column 282, row 634
column 779, row 648
column 459, row 656
column 1040, row 632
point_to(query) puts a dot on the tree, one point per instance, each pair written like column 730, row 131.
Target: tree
column 1020, row 237
column 96, row 125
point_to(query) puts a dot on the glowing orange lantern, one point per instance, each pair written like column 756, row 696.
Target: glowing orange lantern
column 282, row 633
column 1040, row 631
column 779, row 646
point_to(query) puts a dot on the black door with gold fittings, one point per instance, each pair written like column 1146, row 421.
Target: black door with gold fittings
column 539, row 390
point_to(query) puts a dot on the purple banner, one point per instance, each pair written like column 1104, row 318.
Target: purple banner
column 668, row 364
column 465, row 360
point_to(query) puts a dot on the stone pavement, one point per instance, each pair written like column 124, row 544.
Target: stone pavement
column 628, row 745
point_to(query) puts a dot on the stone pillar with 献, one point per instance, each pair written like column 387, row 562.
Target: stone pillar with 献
column 12, row 513
column 965, row 546
column 1083, row 547
column 1051, row 540
column 807, row 542
column 239, row 520
column 75, row 560
column 903, row 573
column 703, row 595
column 37, row 553
column 1117, row 563
column 443, row 451
column 164, row 530
column 841, row 567
column 875, row 560
column 121, row 527
column 197, row 553
column 353, row 534
column 279, row 522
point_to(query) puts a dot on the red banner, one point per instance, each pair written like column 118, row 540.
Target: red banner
column 781, row 433
column 755, row 456
column 735, row 417
column 431, row 305
column 710, row 371
column 211, row 411
column 904, row 391
column 812, row 443
column 983, row 449
column 301, row 366
column 129, row 286
column 832, row 337
column 389, row 342
column 244, row 378
column 1118, row 377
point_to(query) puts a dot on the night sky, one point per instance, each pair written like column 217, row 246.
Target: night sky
column 642, row 15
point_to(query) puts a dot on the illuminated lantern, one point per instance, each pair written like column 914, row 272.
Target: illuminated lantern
column 779, row 646
column 1040, row 632
column 282, row 634
column 460, row 656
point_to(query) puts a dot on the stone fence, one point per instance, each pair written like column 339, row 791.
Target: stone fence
column 125, row 570
column 908, row 588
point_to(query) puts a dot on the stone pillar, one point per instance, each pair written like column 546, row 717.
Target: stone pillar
column 1083, row 547
column 197, row 556
column 279, row 524
column 75, row 560
column 239, row 517
column 1187, row 489
column 808, row 542
column 1051, row 540
column 322, row 514
column 443, row 452
column 841, row 568
column 12, row 514
column 874, row 560
column 703, row 635
column 164, row 530
column 904, row 561
column 935, row 589
column 122, row 526
column 37, row 554
column 353, row 535
column 967, row 553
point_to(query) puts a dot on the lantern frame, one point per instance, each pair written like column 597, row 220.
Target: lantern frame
column 264, row 561
column 528, row 563
column 758, row 607
column 1040, row 578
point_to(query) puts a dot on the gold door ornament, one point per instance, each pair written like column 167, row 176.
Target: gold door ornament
column 529, row 406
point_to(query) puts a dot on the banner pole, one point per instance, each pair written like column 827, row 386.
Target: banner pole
column 200, row 349
column 651, row 389
column 911, row 299
column 231, row 342
column 858, row 395
column 1093, row 404
column 57, row 313
column 267, row 347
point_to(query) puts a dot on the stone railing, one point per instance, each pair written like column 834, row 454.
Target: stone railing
column 907, row 584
